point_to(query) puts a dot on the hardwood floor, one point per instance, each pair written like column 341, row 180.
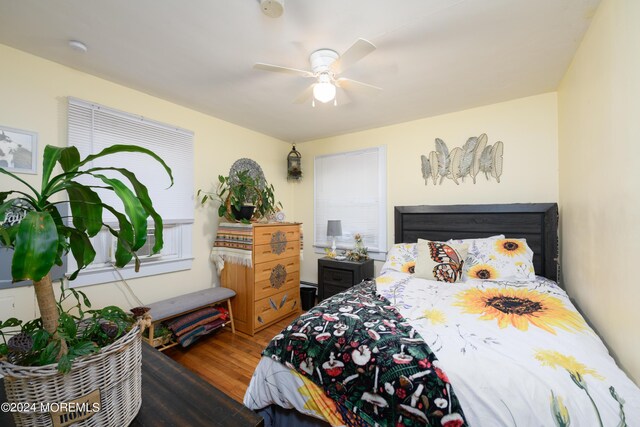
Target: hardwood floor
column 227, row 360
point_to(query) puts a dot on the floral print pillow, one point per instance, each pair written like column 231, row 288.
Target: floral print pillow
column 401, row 257
column 499, row 259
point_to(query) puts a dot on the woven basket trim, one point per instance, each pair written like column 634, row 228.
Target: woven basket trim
column 10, row 370
column 119, row 378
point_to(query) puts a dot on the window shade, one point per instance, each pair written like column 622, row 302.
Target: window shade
column 351, row 187
column 92, row 128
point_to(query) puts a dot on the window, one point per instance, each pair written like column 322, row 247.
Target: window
column 351, row 187
column 92, row 128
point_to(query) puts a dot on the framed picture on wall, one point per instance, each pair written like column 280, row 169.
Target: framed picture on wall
column 18, row 150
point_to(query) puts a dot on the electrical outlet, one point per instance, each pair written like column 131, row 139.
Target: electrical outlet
column 7, row 308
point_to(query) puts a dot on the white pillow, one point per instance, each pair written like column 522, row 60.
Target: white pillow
column 401, row 257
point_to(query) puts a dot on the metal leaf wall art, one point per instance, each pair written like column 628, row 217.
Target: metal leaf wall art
column 468, row 161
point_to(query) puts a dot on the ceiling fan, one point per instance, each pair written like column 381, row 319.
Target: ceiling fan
column 326, row 66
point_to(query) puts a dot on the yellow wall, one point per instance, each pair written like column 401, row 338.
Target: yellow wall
column 578, row 146
column 528, row 128
column 599, row 134
column 34, row 94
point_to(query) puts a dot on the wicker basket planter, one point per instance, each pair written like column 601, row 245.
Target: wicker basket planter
column 115, row 371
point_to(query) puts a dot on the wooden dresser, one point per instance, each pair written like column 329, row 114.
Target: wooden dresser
column 270, row 290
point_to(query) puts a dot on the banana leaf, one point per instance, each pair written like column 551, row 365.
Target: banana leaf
column 127, row 149
column 81, row 248
column 36, row 245
column 132, row 207
column 143, row 196
column 63, row 235
column 86, row 208
column 124, row 252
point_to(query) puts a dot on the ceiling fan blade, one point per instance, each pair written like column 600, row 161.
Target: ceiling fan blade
column 342, row 97
column 305, row 95
column 355, row 85
column 279, row 69
column 355, row 53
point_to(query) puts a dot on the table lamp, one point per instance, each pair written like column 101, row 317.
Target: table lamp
column 334, row 229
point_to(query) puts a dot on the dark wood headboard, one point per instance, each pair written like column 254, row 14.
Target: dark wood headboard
column 536, row 222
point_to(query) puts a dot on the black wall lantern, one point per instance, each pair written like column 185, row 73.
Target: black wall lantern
column 294, row 165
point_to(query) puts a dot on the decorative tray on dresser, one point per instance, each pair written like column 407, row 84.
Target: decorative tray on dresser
column 270, row 289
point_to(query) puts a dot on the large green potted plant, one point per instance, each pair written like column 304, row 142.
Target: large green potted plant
column 243, row 198
column 64, row 337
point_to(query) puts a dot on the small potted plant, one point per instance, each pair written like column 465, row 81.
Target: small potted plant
column 359, row 252
column 161, row 336
column 243, row 198
column 76, row 341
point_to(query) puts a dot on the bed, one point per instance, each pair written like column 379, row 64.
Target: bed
column 504, row 347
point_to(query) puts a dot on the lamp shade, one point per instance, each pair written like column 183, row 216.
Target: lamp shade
column 334, row 228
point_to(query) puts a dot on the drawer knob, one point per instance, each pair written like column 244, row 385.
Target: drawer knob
column 278, row 242
column 278, row 276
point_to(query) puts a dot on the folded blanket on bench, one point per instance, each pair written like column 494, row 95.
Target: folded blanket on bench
column 191, row 336
column 188, row 322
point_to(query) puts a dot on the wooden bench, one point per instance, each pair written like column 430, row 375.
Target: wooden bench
column 184, row 304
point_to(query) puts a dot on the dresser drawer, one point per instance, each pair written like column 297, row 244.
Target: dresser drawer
column 268, row 287
column 333, row 276
column 265, row 270
column 275, row 233
column 275, row 307
column 270, row 252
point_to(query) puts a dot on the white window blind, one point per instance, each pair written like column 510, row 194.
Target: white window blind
column 351, row 187
column 93, row 127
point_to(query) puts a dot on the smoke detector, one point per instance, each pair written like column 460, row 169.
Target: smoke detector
column 272, row 8
column 78, row 46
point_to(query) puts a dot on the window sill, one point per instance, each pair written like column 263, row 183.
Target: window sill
column 375, row 255
column 108, row 274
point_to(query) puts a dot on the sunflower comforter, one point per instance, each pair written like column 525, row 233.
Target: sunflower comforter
column 515, row 353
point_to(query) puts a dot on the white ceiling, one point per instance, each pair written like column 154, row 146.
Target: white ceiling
column 432, row 57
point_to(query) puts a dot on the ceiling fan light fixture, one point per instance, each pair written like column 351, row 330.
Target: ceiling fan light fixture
column 326, row 67
column 324, row 92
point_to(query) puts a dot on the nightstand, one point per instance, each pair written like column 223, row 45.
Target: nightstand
column 336, row 276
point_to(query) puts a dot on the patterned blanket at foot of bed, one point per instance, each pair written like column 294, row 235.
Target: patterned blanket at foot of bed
column 370, row 361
